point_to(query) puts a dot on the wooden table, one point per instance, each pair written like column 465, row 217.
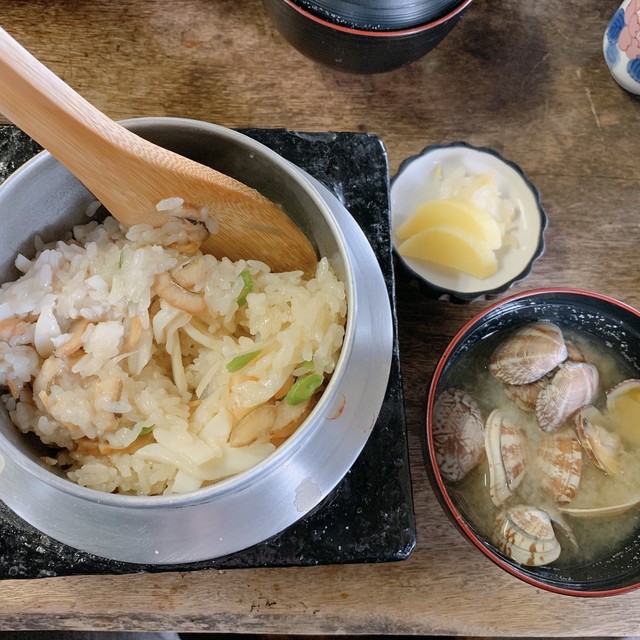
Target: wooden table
column 527, row 78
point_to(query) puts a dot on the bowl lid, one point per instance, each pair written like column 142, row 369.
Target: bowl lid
column 379, row 15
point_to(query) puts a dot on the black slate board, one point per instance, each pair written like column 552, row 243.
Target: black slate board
column 369, row 517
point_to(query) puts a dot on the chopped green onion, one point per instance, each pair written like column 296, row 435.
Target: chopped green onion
column 303, row 388
column 241, row 361
column 121, row 259
column 247, row 288
column 145, row 430
column 303, row 369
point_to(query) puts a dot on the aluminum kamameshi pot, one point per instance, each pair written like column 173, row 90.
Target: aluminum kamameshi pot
column 43, row 198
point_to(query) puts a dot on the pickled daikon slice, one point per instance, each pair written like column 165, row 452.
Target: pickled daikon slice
column 451, row 247
column 464, row 215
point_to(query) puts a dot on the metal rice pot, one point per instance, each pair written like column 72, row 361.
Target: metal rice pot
column 43, row 198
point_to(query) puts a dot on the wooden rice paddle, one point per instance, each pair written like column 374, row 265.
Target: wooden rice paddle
column 130, row 175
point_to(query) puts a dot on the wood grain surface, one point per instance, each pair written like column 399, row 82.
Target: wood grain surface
column 527, row 78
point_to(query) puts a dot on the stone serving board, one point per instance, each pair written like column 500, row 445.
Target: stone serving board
column 369, row 517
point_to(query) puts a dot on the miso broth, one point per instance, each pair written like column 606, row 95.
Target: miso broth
column 584, row 539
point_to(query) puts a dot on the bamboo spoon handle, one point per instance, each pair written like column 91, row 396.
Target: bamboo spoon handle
column 130, row 175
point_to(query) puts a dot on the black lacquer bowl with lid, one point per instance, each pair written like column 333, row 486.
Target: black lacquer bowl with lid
column 366, row 36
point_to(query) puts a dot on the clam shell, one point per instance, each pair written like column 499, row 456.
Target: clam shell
column 561, row 525
column 600, row 512
column 529, row 353
column 629, row 387
column 506, row 454
column 525, row 396
column 525, row 534
column 574, row 352
column 601, row 445
column 559, row 464
column 623, row 409
column 458, row 434
column 574, row 385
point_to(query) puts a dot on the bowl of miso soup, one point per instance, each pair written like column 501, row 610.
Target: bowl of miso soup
column 533, row 439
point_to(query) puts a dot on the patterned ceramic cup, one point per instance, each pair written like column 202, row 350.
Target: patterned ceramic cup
column 621, row 45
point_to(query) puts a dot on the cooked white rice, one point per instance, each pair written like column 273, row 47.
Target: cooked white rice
column 114, row 349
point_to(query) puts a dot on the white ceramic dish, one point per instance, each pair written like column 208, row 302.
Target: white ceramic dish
column 417, row 181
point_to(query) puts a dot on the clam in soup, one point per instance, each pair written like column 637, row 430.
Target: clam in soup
column 536, row 432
